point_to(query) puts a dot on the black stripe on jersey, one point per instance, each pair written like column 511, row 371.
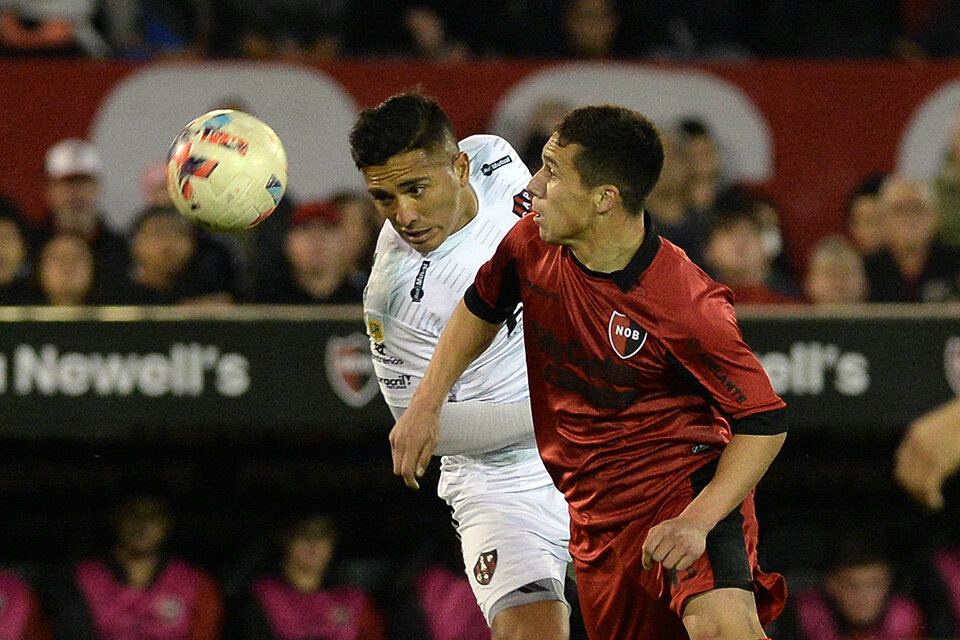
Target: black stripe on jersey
column 765, row 423
column 506, row 303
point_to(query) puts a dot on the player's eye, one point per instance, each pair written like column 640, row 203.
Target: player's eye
column 383, row 199
column 417, row 190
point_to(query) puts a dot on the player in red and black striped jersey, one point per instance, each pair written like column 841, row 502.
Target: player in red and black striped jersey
column 651, row 413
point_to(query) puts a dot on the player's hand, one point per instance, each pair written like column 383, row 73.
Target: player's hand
column 412, row 441
column 674, row 544
column 928, row 455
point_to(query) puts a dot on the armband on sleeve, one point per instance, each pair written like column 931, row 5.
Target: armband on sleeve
column 474, row 427
column 765, row 423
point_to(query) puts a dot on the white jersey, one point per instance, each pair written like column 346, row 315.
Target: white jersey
column 410, row 295
column 512, row 522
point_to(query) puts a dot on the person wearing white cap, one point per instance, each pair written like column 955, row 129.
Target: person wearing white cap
column 73, row 172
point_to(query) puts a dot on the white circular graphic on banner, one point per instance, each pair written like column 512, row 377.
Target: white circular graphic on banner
column 664, row 95
column 139, row 119
column 923, row 146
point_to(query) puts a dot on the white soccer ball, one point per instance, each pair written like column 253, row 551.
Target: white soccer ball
column 226, row 171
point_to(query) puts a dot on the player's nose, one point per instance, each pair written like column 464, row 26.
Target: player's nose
column 406, row 213
column 537, row 183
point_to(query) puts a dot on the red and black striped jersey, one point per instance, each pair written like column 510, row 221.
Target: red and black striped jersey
column 636, row 377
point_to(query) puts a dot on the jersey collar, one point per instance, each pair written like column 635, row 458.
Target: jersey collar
column 625, row 278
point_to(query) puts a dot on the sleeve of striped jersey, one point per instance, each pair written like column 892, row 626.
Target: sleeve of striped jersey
column 705, row 339
column 495, row 292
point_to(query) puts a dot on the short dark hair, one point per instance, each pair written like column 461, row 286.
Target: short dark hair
column 402, row 123
column 620, row 147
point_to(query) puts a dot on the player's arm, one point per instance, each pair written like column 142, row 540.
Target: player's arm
column 930, row 453
column 677, row 542
column 708, row 344
column 415, row 435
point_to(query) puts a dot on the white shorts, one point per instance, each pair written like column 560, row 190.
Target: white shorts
column 512, row 536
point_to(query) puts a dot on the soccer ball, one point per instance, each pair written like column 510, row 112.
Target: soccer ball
column 226, row 171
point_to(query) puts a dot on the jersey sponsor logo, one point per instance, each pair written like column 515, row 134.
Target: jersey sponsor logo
column 522, row 204
column 489, row 167
column 573, row 368
column 349, row 369
column 375, row 329
column 416, row 294
column 735, row 392
column 379, row 354
column 485, row 567
column 951, row 362
column 626, row 336
column 400, row 382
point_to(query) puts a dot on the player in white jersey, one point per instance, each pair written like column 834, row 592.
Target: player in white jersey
column 447, row 206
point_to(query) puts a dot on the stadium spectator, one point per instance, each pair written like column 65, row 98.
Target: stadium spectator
column 136, row 589
column 66, row 272
column 15, row 263
column 702, row 156
column 854, row 600
column 361, row 224
column 590, row 30
column 912, row 266
column 73, row 172
column 260, row 29
column 317, row 267
column 835, row 273
column 153, row 185
column 541, row 121
column 300, row 598
column 59, row 27
column 174, row 262
column 669, row 202
column 159, row 28
column 427, row 36
column 688, row 29
column 862, row 218
column 736, row 257
column 21, row 616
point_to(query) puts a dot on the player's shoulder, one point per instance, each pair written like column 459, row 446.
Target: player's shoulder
column 685, row 294
column 492, row 157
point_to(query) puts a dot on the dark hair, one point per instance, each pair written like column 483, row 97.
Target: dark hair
column 729, row 216
column 868, row 187
column 404, row 122
column 620, row 147
column 158, row 211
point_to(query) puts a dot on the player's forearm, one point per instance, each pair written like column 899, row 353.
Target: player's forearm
column 463, row 339
column 742, row 464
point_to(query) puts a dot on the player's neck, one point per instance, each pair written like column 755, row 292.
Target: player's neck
column 611, row 243
column 469, row 206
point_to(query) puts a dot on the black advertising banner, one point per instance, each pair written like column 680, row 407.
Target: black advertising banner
column 301, row 372
column 875, row 368
column 154, row 372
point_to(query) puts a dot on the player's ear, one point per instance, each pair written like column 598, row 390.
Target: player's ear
column 605, row 197
column 461, row 164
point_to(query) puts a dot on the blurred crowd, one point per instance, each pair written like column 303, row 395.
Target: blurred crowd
column 902, row 239
column 132, row 584
column 435, row 30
